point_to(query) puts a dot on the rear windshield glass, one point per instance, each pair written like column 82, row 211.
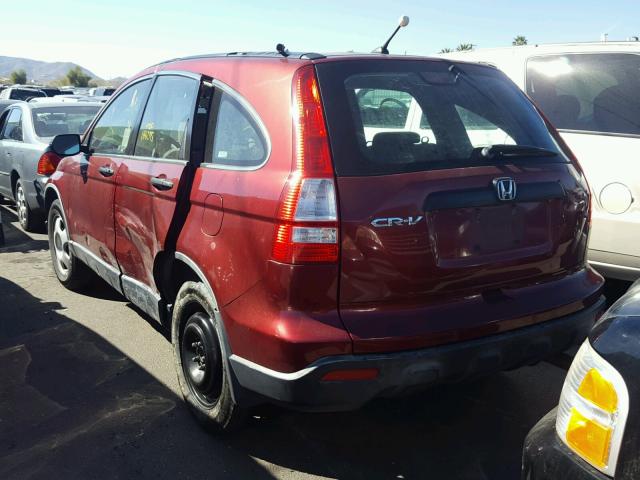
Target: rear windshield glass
column 589, row 92
column 397, row 116
column 52, row 121
column 26, row 95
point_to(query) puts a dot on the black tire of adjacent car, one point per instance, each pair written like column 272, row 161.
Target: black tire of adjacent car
column 77, row 275
column 201, row 361
column 29, row 220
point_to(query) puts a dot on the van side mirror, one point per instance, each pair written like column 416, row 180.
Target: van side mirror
column 66, row 145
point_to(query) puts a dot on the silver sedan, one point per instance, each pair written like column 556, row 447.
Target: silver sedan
column 26, row 130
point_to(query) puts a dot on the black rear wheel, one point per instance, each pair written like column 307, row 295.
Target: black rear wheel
column 200, row 356
column 202, row 359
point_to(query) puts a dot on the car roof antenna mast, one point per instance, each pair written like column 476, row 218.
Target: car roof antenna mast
column 402, row 22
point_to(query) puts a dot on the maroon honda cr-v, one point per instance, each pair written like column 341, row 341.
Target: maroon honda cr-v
column 317, row 231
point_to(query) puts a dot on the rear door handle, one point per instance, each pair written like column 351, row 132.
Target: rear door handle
column 106, row 171
column 161, row 183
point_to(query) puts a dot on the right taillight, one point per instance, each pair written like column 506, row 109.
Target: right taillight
column 48, row 163
column 307, row 219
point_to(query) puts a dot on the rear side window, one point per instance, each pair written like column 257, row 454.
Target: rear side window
column 164, row 131
column 112, row 132
column 398, row 116
column 52, row 121
column 13, row 128
column 238, row 141
column 588, row 92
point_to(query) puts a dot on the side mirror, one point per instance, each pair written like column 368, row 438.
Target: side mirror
column 66, row 145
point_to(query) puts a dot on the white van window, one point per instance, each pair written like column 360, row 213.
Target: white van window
column 588, row 92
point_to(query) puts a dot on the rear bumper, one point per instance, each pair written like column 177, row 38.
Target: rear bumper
column 403, row 371
column 545, row 457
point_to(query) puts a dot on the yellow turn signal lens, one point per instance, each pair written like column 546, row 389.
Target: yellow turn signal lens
column 599, row 391
column 589, row 438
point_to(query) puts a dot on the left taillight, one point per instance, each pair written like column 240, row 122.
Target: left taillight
column 48, row 163
column 307, row 219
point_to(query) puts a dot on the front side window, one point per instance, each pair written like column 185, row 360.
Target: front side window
column 52, row 121
column 597, row 92
column 13, row 128
column 167, row 119
column 112, row 132
column 238, row 140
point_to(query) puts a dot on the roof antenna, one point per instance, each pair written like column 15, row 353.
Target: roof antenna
column 282, row 50
column 403, row 21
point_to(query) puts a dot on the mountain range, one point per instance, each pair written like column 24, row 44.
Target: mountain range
column 41, row 72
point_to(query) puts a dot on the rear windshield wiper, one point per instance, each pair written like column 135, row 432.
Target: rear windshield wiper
column 508, row 151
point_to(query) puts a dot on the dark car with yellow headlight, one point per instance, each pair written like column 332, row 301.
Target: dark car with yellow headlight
column 594, row 431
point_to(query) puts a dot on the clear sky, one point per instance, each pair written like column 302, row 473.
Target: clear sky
column 119, row 37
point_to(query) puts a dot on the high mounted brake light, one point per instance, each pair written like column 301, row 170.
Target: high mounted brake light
column 307, row 228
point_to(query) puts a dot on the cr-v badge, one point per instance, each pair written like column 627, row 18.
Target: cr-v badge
column 505, row 188
column 395, row 221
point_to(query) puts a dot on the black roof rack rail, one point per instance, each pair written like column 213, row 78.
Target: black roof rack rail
column 299, row 55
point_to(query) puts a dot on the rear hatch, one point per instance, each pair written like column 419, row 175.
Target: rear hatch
column 456, row 204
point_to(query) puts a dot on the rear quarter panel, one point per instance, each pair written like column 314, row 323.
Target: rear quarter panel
column 236, row 258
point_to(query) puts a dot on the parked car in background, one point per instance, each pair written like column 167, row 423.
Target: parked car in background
column 49, row 91
column 591, row 93
column 81, row 91
column 250, row 227
column 101, row 91
column 4, row 104
column 68, row 99
column 21, row 93
column 594, row 434
column 26, row 130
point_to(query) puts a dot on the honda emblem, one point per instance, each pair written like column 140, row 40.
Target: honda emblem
column 505, row 188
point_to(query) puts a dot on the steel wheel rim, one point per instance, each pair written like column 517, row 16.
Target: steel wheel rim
column 61, row 245
column 21, row 203
column 201, row 363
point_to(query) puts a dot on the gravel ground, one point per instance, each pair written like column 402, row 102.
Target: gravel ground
column 88, row 390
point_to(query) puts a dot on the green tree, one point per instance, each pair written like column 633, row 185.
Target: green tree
column 464, row 47
column 446, row 50
column 18, row 76
column 519, row 40
column 77, row 77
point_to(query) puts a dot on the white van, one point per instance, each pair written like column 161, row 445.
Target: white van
column 591, row 93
